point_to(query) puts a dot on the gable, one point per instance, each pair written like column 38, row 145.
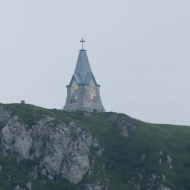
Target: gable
column 88, row 77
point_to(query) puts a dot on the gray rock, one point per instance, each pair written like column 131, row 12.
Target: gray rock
column 90, row 172
column 15, row 139
column 133, row 127
column 64, row 148
column 163, row 177
column 4, row 114
column 97, row 186
column 18, row 188
column 99, row 152
column 43, row 182
column 9, row 178
column 105, row 178
column 87, row 114
column 140, row 176
column 34, row 174
column 95, row 142
column 123, row 131
column 143, row 156
column 44, row 172
column 29, row 185
column 169, row 160
column 153, row 177
column 163, row 187
column 50, row 177
column 122, row 123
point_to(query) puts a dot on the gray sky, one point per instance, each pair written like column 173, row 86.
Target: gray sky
column 139, row 51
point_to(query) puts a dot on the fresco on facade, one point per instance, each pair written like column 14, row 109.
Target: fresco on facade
column 92, row 92
column 74, row 92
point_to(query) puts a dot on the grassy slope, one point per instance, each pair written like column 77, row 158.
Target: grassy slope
column 122, row 158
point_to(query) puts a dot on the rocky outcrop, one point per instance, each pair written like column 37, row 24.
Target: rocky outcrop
column 16, row 140
column 4, row 114
column 169, row 160
column 29, row 185
column 162, row 187
column 63, row 149
column 97, row 186
column 122, row 123
column 150, row 181
column 18, row 188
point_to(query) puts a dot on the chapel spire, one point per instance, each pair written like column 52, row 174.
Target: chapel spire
column 83, row 91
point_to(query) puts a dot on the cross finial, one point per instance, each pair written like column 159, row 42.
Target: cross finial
column 82, row 41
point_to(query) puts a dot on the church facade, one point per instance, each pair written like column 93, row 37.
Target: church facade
column 83, row 92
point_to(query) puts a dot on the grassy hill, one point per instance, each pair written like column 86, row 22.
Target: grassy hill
column 147, row 155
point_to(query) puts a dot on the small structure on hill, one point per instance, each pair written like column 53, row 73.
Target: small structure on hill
column 83, row 92
column 22, row 102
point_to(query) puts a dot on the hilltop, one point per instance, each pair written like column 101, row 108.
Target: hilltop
column 44, row 149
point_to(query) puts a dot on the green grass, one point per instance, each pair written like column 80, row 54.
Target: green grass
column 122, row 157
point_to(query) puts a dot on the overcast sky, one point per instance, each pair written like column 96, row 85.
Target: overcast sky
column 139, row 52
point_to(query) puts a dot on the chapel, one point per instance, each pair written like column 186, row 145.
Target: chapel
column 83, row 92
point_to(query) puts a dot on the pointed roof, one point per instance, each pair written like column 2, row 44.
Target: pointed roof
column 83, row 73
column 83, row 66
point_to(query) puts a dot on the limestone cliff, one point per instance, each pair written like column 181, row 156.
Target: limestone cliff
column 63, row 149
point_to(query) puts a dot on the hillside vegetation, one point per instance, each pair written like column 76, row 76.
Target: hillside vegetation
column 130, row 154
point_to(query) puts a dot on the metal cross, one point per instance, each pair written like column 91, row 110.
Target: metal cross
column 82, row 41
